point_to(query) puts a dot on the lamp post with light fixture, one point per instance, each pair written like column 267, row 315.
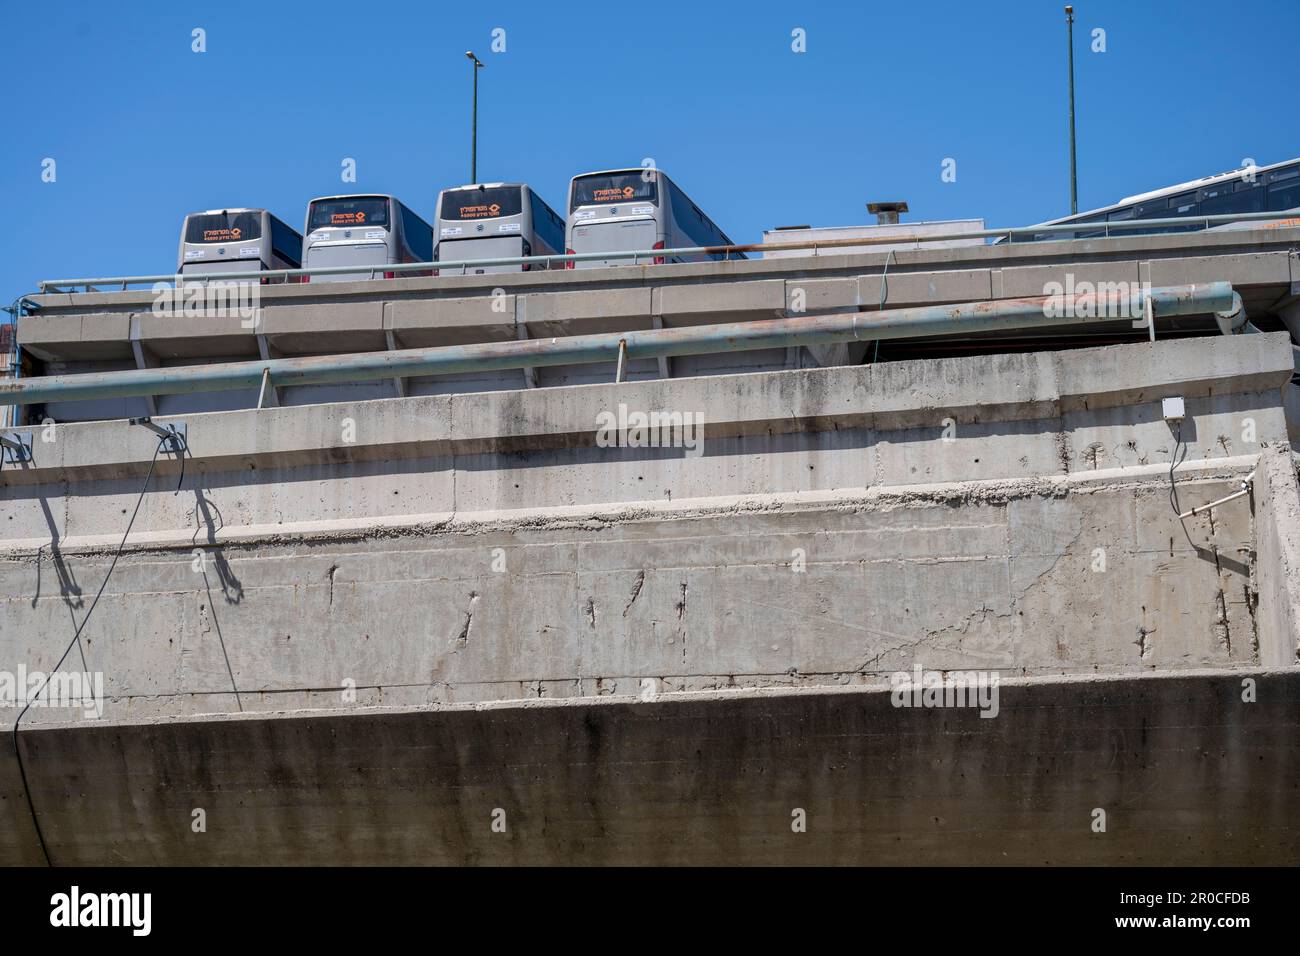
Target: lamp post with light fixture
column 473, row 140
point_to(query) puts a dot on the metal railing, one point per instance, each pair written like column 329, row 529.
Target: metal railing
column 635, row 256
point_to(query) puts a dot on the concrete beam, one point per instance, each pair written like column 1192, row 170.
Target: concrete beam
column 1186, row 773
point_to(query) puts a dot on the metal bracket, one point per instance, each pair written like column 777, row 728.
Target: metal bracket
column 174, row 434
column 17, row 447
column 173, row 430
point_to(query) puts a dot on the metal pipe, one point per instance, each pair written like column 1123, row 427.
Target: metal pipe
column 1233, row 317
column 56, row 285
column 1200, row 509
column 658, row 343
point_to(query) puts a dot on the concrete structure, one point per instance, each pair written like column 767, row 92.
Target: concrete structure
column 880, row 231
column 367, row 630
column 462, row 620
column 114, row 330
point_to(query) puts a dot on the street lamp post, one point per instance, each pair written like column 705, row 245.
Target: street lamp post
column 473, row 140
column 1074, row 189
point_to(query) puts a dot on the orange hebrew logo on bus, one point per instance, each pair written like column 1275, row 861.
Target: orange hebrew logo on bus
column 479, row 212
column 612, row 194
column 221, row 235
column 494, row 209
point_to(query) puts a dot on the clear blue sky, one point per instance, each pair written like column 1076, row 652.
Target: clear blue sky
column 144, row 130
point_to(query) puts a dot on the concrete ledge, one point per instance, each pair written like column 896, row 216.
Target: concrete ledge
column 978, row 391
column 432, row 322
column 1185, row 770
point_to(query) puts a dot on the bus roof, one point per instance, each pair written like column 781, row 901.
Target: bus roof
column 352, row 196
column 614, row 172
column 216, row 212
column 1198, row 183
column 452, row 189
column 1166, row 191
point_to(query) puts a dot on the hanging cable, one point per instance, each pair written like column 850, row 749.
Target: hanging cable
column 884, row 294
column 1174, row 463
column 22, row 770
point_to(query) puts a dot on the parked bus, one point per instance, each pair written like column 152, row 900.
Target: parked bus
column 1273, row 188
column 631, row 209
column 363, row 231
column 237, row 240
column 496, row 221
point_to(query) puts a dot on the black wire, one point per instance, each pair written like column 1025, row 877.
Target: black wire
column 180, row 446
column 1174, row 463
column 22, row 771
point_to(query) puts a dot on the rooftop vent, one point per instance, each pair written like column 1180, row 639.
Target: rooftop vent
column 886, row 213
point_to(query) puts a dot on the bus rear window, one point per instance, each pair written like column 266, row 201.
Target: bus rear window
column 223, row 227
column 367, row 211
column 618, row 187
column 459, row 204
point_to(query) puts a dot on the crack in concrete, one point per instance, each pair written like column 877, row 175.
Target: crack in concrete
column 462, row 639
column 636, row 591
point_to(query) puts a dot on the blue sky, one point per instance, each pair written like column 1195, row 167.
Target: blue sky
column 143, row 129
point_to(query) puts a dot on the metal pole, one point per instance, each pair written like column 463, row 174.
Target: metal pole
column 1074, row 188
column 473, row 139
column 821, row 329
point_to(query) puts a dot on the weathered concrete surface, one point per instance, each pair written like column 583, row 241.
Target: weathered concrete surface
column 480, row 548
column 1186, row 771
column 1001, row 513
column 1277, row 532
column 1064, row 577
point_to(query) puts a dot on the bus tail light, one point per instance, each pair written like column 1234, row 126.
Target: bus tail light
column 390, row 275
column 659, row 260
column 304, row 278
column 569, row 263
column 528, row 251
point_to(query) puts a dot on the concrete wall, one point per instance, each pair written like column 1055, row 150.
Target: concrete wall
column 484, row 547
column 1185, row 770
column 1277, row 535
column 448, row 553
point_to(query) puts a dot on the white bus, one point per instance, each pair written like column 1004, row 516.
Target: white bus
column 1274, row 188
column 236, row 240
column 496, row 221
column 624, row 210
column 363, row 231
